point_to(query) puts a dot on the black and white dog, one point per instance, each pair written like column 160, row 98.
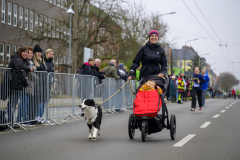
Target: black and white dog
column 93, row 116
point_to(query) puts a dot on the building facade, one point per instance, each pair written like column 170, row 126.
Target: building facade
column 30, row 22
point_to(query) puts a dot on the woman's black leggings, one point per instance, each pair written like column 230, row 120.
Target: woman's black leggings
column 199, row 95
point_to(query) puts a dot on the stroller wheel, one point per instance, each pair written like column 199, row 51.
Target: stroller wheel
column 173, row 126
column 144, row 130
column 131, row 126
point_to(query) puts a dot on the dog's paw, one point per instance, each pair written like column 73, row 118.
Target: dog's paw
column 99, row 133
column 94, row 138
column 90, row 136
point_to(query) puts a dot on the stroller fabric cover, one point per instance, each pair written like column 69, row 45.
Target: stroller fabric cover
column 147, row 103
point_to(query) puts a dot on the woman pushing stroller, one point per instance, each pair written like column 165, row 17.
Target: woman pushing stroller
column 151, row 55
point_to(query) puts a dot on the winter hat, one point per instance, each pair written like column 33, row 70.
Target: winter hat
column 37, row 48
column 153, row 32
column 120, row 66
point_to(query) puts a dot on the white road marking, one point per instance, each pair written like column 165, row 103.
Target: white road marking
column 223, row 111
column 230, row 105
column 227, row 107
column 184, row 140
column 216, row 116
column 205, row 125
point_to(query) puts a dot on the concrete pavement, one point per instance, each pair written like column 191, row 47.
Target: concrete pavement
column 219, row 140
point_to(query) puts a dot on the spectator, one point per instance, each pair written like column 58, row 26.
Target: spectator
column 168, row 89
column 233, row 93
column 186, row 88
column 173, row 88
column 117, row 64
column 26, row 106
column 18, row 60
column 88, row 67
column 123, row 73
column 100, row 75
column 213, row 92
column 176, row 81
column 48, row 58
column 230, row 93
column 238, row 93
column 41, row 87
column 111, row 70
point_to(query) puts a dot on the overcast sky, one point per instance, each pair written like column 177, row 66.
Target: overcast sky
column 223, row 16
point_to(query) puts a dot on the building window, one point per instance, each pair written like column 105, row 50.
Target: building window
column 54, row 2
column 26, row 19
column 3, row 10
column 58, row 3
column 2, row 52
column 62, row 3
column 65, row 32
column 8, row 52
column 65, row 5
column 57, row 29
column 49, row 27
column 31, row 20
column 41, row 24
column 9, row 13
column 61, row 30
column 21, row 17
column 36, row 23
column 45, row 26
column 53, row 28
column 15, row 15
column 14, row 49
column 188, row 64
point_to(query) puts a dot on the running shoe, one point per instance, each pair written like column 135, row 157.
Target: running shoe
column 200, row 109
column 192, row 109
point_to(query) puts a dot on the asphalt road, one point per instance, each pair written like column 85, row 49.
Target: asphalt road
column 219, row 140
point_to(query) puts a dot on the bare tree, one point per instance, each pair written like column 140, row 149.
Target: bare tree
column 228, row 80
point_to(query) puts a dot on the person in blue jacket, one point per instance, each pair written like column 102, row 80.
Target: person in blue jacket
column 205, row 86
column 197, row 81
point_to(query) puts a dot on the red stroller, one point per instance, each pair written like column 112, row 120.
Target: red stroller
column 146, row 107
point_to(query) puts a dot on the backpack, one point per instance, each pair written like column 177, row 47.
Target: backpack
column 80, row 71
column 3, row 120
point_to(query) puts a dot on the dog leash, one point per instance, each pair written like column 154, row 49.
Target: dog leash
column 117, row 92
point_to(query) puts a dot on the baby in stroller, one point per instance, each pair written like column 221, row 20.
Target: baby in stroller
column 150, row 85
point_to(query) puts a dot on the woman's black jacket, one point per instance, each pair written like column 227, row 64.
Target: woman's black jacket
column 151, row 56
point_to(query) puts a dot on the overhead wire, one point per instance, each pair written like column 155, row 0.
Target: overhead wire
column 206, row 32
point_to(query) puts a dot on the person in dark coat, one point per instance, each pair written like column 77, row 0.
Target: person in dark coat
column 18, row 60
column 123, row 73
column 100, row 75
column 48, row 58
column 41, row 87
column 88, row 67
column 168, row 89
column 173, row 88
column 151, row 55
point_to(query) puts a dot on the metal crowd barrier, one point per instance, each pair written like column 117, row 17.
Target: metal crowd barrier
column 52, row 96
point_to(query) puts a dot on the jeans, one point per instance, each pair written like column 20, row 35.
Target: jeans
column 170, row 97
column 40, row 110
column 203, row 96
column 11, row 105
column 23, row 108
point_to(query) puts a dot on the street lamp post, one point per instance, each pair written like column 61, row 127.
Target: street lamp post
column 185, row 53
column 70, row 12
